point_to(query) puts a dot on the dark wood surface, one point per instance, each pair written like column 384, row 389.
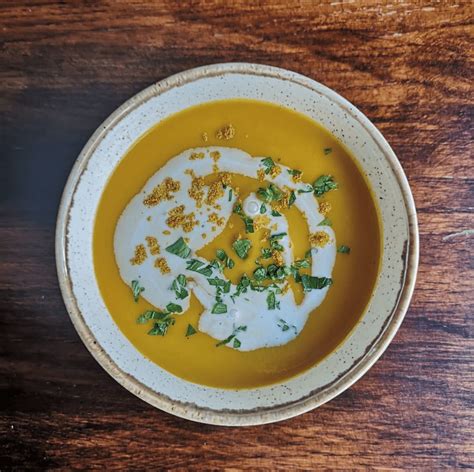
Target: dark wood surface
column 64, row 66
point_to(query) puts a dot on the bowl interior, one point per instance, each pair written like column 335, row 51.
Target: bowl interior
column 146, row 379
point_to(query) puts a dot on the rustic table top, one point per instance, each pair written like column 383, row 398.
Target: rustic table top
column 64, row 66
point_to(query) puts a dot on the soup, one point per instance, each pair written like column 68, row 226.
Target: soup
column 236, row 244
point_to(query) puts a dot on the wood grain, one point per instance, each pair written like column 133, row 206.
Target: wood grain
column 64, row 66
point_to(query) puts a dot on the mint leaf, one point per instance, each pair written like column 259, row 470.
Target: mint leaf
column 179, row 248
column 324, row 184
column 136, row 290
column 242, row 247
column 190, row 330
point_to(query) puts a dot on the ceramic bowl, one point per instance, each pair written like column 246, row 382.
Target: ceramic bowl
column 335, row 373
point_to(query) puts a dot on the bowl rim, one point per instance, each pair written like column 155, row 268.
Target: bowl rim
column 191, row 411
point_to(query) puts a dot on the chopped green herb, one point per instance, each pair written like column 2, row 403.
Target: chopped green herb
column 260, row 274
column 160, row 328
column 302, row 264
column 230, row 195
column 325, row 222
column 247, row 221
column 190, row 330
column 284, row 326
column 308, row 254
column 310, row 282
column 294, row 172
column 266, row 253
column 272, row 302
column 222, row 256
column 216, row 282
column 179, row 248
column 263, row 208
column 242, row 247
column 344, row 249
column 309, row 189
column 197, row 266
column 275, row 213
column 151, row 315
column 232, row 336
column 136, row 290
column 268, row 164
column 219, row 308
column 274, row 244
column 174, row 308
column 270, row 193
column 237, row 343
column 242, row 286
column 275, row 272
column 324, row 184
column 327, row 151
column 292, row 198
column 178, row 286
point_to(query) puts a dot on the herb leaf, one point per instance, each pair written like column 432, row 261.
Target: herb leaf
column 237, row 343
column 344, row 249
column 310, row 282
column 295, row 172
column 327, row 151
column 178, row 286
column 160, row 328
column 136, row 290
column 190, row 330
column 247, row 221
column 219, row 308
column 232, row 336
column 324, row 184
column 275, row 213
column 174, row 308
column 270, row 193
column 268, row 164
column 284, row 326
column 179, row 248
column 325, row 222
column 197, row 266
column 151, row 315
column 271, row 301
column 242, row 247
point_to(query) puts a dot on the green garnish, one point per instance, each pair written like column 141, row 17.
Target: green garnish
column 263, row 208
column 302, row 264
column 325, row 222
column 197, row 266
column 271, row 301
column 266, row 253
column 136, row 290
column 292, row 198
column 327, row 151
column 220, row 283
column 294, row 172
column 237, row 343
column 242, row 286
column 160, row 328
column 260, row 274
column 324, row 184
column 309, row 189
column 308, row 254
column 178, row 286
column 275, row 272
column 270, row 193
column 268, row 164
column 274, row 244
column 226, row 260
column 232, row 336
column 242, row 247
column 310, row 282
column 284, row 326
column 151, row 315
column 247, row 221
column 344, row 249
column 230, row 195
column 174, row 308
column 219, row 308
column 190, row 330
column 179, row 248
column 275, row 213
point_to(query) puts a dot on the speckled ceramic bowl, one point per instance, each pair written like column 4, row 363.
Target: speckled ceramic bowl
column 147, row 380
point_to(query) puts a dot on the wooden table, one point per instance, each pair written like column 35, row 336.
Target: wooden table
column 64, row 66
